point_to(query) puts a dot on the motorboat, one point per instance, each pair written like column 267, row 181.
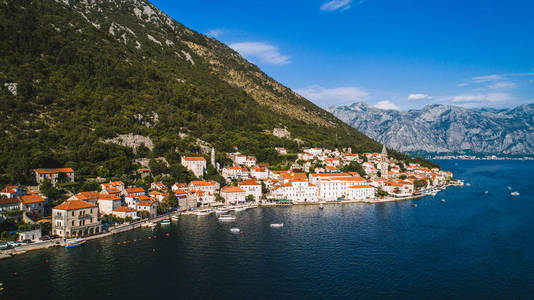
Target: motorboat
column 166, row 222
column 321, row 206
column 204, row 212
column 175, row 218
column 227, row 218
column 149, row 225
column 75, row 243
column 514, row 193
column 277, row 225
column 235, row 230
column 442, row 200
column 222, row 210
column 414, row 205
column 240, row 208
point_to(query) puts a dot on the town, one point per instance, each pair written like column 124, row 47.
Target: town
column 317, row 176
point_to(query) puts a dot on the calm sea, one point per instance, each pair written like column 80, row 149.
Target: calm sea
column 473, row 245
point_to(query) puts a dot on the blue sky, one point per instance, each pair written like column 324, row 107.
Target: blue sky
column 392, row 54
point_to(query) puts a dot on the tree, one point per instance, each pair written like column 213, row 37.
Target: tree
column 250, row 198
column 171, row 200
column 419, row 184
column 49, row 190
column 396, row 190
column 403, row 176
column 354, row 166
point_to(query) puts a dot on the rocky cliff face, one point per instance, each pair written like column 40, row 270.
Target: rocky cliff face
column 445, row 128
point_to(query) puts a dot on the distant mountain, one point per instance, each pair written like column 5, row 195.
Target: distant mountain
column 445, row 128
column 77, row 73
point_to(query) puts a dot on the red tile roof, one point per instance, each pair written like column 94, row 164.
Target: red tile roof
column 56, row 170
column 232, row 189
column 74, row 204
column 135, row 190
column 124, row 209
column 32, row 199
column 194, row 158
column 4, row 201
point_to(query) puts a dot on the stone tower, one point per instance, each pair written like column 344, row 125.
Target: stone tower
column 384, row 162
column 213, row 157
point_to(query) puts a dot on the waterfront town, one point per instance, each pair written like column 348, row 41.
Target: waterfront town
column 317, row 176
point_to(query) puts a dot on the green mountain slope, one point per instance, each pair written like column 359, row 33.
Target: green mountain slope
column 75, row 73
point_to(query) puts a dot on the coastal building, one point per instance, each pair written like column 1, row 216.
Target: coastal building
column 75, row 218
column 125, row 211
column 134, row 191
column 360, row 192
column 252, row 187
column 113, row 184
column 12, row 191
column 259, row 173
column 233, row 194
column 149, row 206
column 159, row 186
column 197, row 165
column 209, row 186
column 9, row 204
column 296, row 191
column 33, row 204
column 108, row 203
column 54, row 175
column 33, row 234
column 384, row 163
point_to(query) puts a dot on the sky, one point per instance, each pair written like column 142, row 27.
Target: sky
column 392, row 54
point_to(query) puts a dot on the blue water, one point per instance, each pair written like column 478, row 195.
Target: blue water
column 474, row 245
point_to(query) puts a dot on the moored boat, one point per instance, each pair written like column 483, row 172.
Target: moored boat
column 166, row 222
column 235, row 230
column 227, row 218
column 204, row 212
column 277, row 225
column 240, row 208
column 321, row 206
column 175, row 218
column 75, row 243
column 514, row 193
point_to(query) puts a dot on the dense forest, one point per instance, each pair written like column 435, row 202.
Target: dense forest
column 72, row 76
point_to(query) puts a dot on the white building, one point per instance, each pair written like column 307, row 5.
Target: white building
column 53, row 175
column 259, row 173
column 297, row 191
column 233, row 194
column 252, row 187
column 360, row 192
column 75, row 218
column 125, row 211
column 337, row 188
column 209, row 186
column 197, row 165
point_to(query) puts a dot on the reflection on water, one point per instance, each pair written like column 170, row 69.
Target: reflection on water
column 472, row 245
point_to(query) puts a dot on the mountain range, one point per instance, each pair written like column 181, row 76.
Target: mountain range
column 445, row 128
column 77, row 74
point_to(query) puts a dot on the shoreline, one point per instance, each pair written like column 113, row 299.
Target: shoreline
column 5, row 254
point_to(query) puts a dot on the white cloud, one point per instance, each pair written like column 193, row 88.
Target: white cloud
column 333, row 96
column 386, row 104
column 501, row 85
column 418, row 96
column 215, row 32
column 488, row 97
column 263, row 52
column 487, row 78
column 334, row 5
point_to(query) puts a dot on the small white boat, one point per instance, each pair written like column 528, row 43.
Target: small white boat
column 222, row 210
column 240, row 208
column 235, row 230
column 514, row 193
column 468, row 184
column 509, row 188
column 485, row 192
column 226, row 218
column 414, row 205
column 75, row 243
column 148, row 224
column 442, row 200
column 321, row 206
column 204, row 212
column 166, row 222
column 175, row 218
column 277, row 225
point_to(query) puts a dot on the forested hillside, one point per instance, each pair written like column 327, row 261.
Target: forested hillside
column 75, row 73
